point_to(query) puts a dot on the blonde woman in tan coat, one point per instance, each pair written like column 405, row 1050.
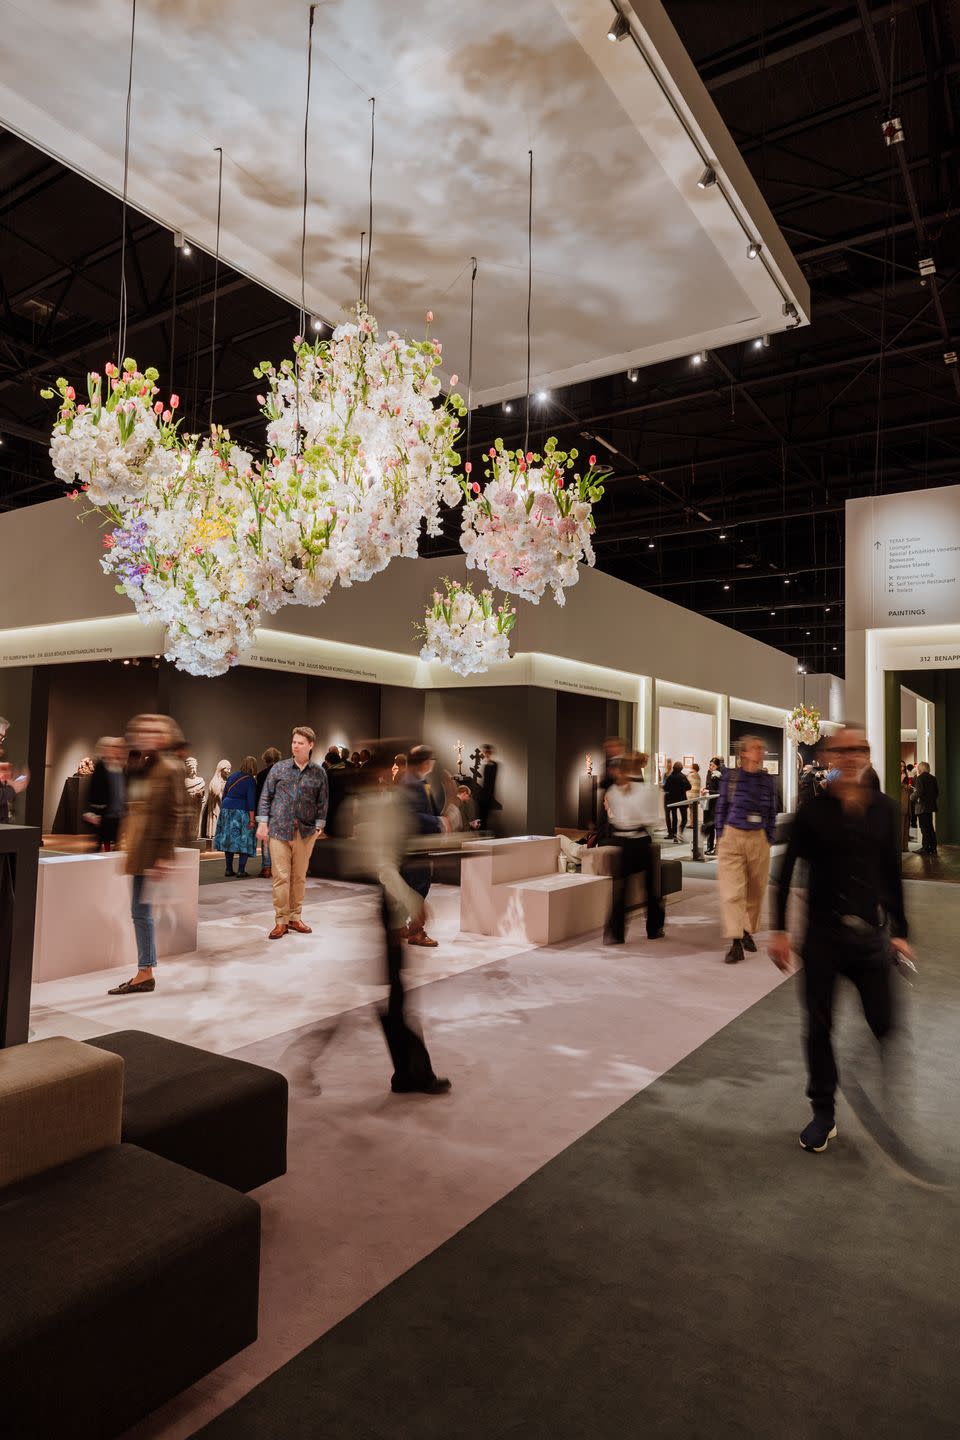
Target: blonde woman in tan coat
column 151, row 827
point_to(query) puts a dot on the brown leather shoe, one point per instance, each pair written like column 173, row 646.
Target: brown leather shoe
column 299, row 926
column 422, row 938
column 266, row 874
column 277, row 932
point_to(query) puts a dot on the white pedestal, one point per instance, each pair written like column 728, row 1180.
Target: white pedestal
column 83, row 914
column 512, row 889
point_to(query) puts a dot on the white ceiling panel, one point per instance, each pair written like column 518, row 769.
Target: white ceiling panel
column 632, row 262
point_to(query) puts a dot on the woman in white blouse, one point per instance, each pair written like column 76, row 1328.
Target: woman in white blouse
column 633, row 809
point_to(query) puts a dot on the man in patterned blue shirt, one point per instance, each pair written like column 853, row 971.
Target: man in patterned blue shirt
column 746, row 825
column 292, row 814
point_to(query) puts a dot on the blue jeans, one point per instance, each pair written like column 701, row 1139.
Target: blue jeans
column 143, row 926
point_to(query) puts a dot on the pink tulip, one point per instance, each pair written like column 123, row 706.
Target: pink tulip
column 110, row 368
column 429, row 317
column 529, row 456
column 158, row 408
column 492, row 453
column 80, row 409
column 167, row 416
column 475, row 487
column 454, row 379
column 174, row 401
column 593, row 459
column 70, row 393
column 469, row 467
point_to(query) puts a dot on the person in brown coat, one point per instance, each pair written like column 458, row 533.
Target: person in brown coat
column 150, row 831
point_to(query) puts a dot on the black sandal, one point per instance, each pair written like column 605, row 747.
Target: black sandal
column 133, row 987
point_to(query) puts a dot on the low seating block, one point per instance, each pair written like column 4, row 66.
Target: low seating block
column 222, row 1117
column 123, row 1279
column 58, row 1100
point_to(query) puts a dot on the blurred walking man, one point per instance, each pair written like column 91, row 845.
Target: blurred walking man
column 745, row 823
column 849, row 835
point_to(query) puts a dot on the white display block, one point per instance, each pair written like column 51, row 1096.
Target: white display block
column 83, row 913
column 511, row 888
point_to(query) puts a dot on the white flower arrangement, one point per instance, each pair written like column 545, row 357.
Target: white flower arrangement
column 464, row 631
column 803, row 724
column 205, row 540
column 531, row 524
column 355, row 434
column 119, row 440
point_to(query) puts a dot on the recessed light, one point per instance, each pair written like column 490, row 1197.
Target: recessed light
column 543, row 395
column 507, row 408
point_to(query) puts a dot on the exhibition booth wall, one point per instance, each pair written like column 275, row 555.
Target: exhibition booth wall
column 903, row 629
column 614, row 659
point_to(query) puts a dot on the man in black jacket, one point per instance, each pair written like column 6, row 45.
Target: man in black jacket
column 487, row 801
column 849, row 835
column 926, row 795
column 418, row 870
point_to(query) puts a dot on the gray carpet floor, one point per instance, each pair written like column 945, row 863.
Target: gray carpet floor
column 685, row 1269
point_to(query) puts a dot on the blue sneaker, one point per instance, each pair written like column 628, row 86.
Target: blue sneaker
column 814, row 1137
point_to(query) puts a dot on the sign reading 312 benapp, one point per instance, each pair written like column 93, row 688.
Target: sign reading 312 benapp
column 903, row 560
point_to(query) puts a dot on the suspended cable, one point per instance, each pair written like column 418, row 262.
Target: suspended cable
column 306, row 143
column 363, row 236
column 526, row 420
column 365, row 289
column 173, row 319
column 122, row 334
column 473, row 286
column 216, row 284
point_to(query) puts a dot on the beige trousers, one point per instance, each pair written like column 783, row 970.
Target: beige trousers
column 288, row 861
column 743, row 868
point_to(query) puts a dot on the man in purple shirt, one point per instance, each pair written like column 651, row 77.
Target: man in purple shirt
column 746, row 822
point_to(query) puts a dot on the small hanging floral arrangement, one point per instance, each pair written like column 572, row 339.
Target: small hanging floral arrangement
column 803, row 724
column 531, row 524
column 465, row 631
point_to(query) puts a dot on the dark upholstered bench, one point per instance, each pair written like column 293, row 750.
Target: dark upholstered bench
column 123, row 1279
column 222, row 1117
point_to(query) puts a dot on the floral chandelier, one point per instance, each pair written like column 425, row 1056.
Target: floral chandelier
column 803, row 724
column 531, row 524
column 464, row 631
column 206, row 539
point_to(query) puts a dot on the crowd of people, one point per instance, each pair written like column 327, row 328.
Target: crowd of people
column 391, row 806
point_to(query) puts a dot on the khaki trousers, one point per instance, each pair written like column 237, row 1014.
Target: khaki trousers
column 288, row 861
column 743, row 868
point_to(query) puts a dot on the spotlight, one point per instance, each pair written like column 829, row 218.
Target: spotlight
column 650, row 545
column 786, row 582
column 180, row 243
column 834, row 647
column 827, row 611
column 753, row 249
column 726, row 587
column 773, row 612
column 620, row 28
column 317, row 323
column 543, row 396
column 723, row 535
column 633, row 376
column 708, row 178
column 507, row 408
column 1, row 439
column 801, row 670
column 806, row 632
column 126, row 662
column 700, row 358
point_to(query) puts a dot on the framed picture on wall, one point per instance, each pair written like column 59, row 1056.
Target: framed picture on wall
column 772, row 767
column 688, row 761
column 732, row 761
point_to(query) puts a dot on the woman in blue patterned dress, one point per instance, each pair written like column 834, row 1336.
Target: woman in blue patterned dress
column 236, row 827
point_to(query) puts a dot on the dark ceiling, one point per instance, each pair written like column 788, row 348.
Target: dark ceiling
column 729, row 477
